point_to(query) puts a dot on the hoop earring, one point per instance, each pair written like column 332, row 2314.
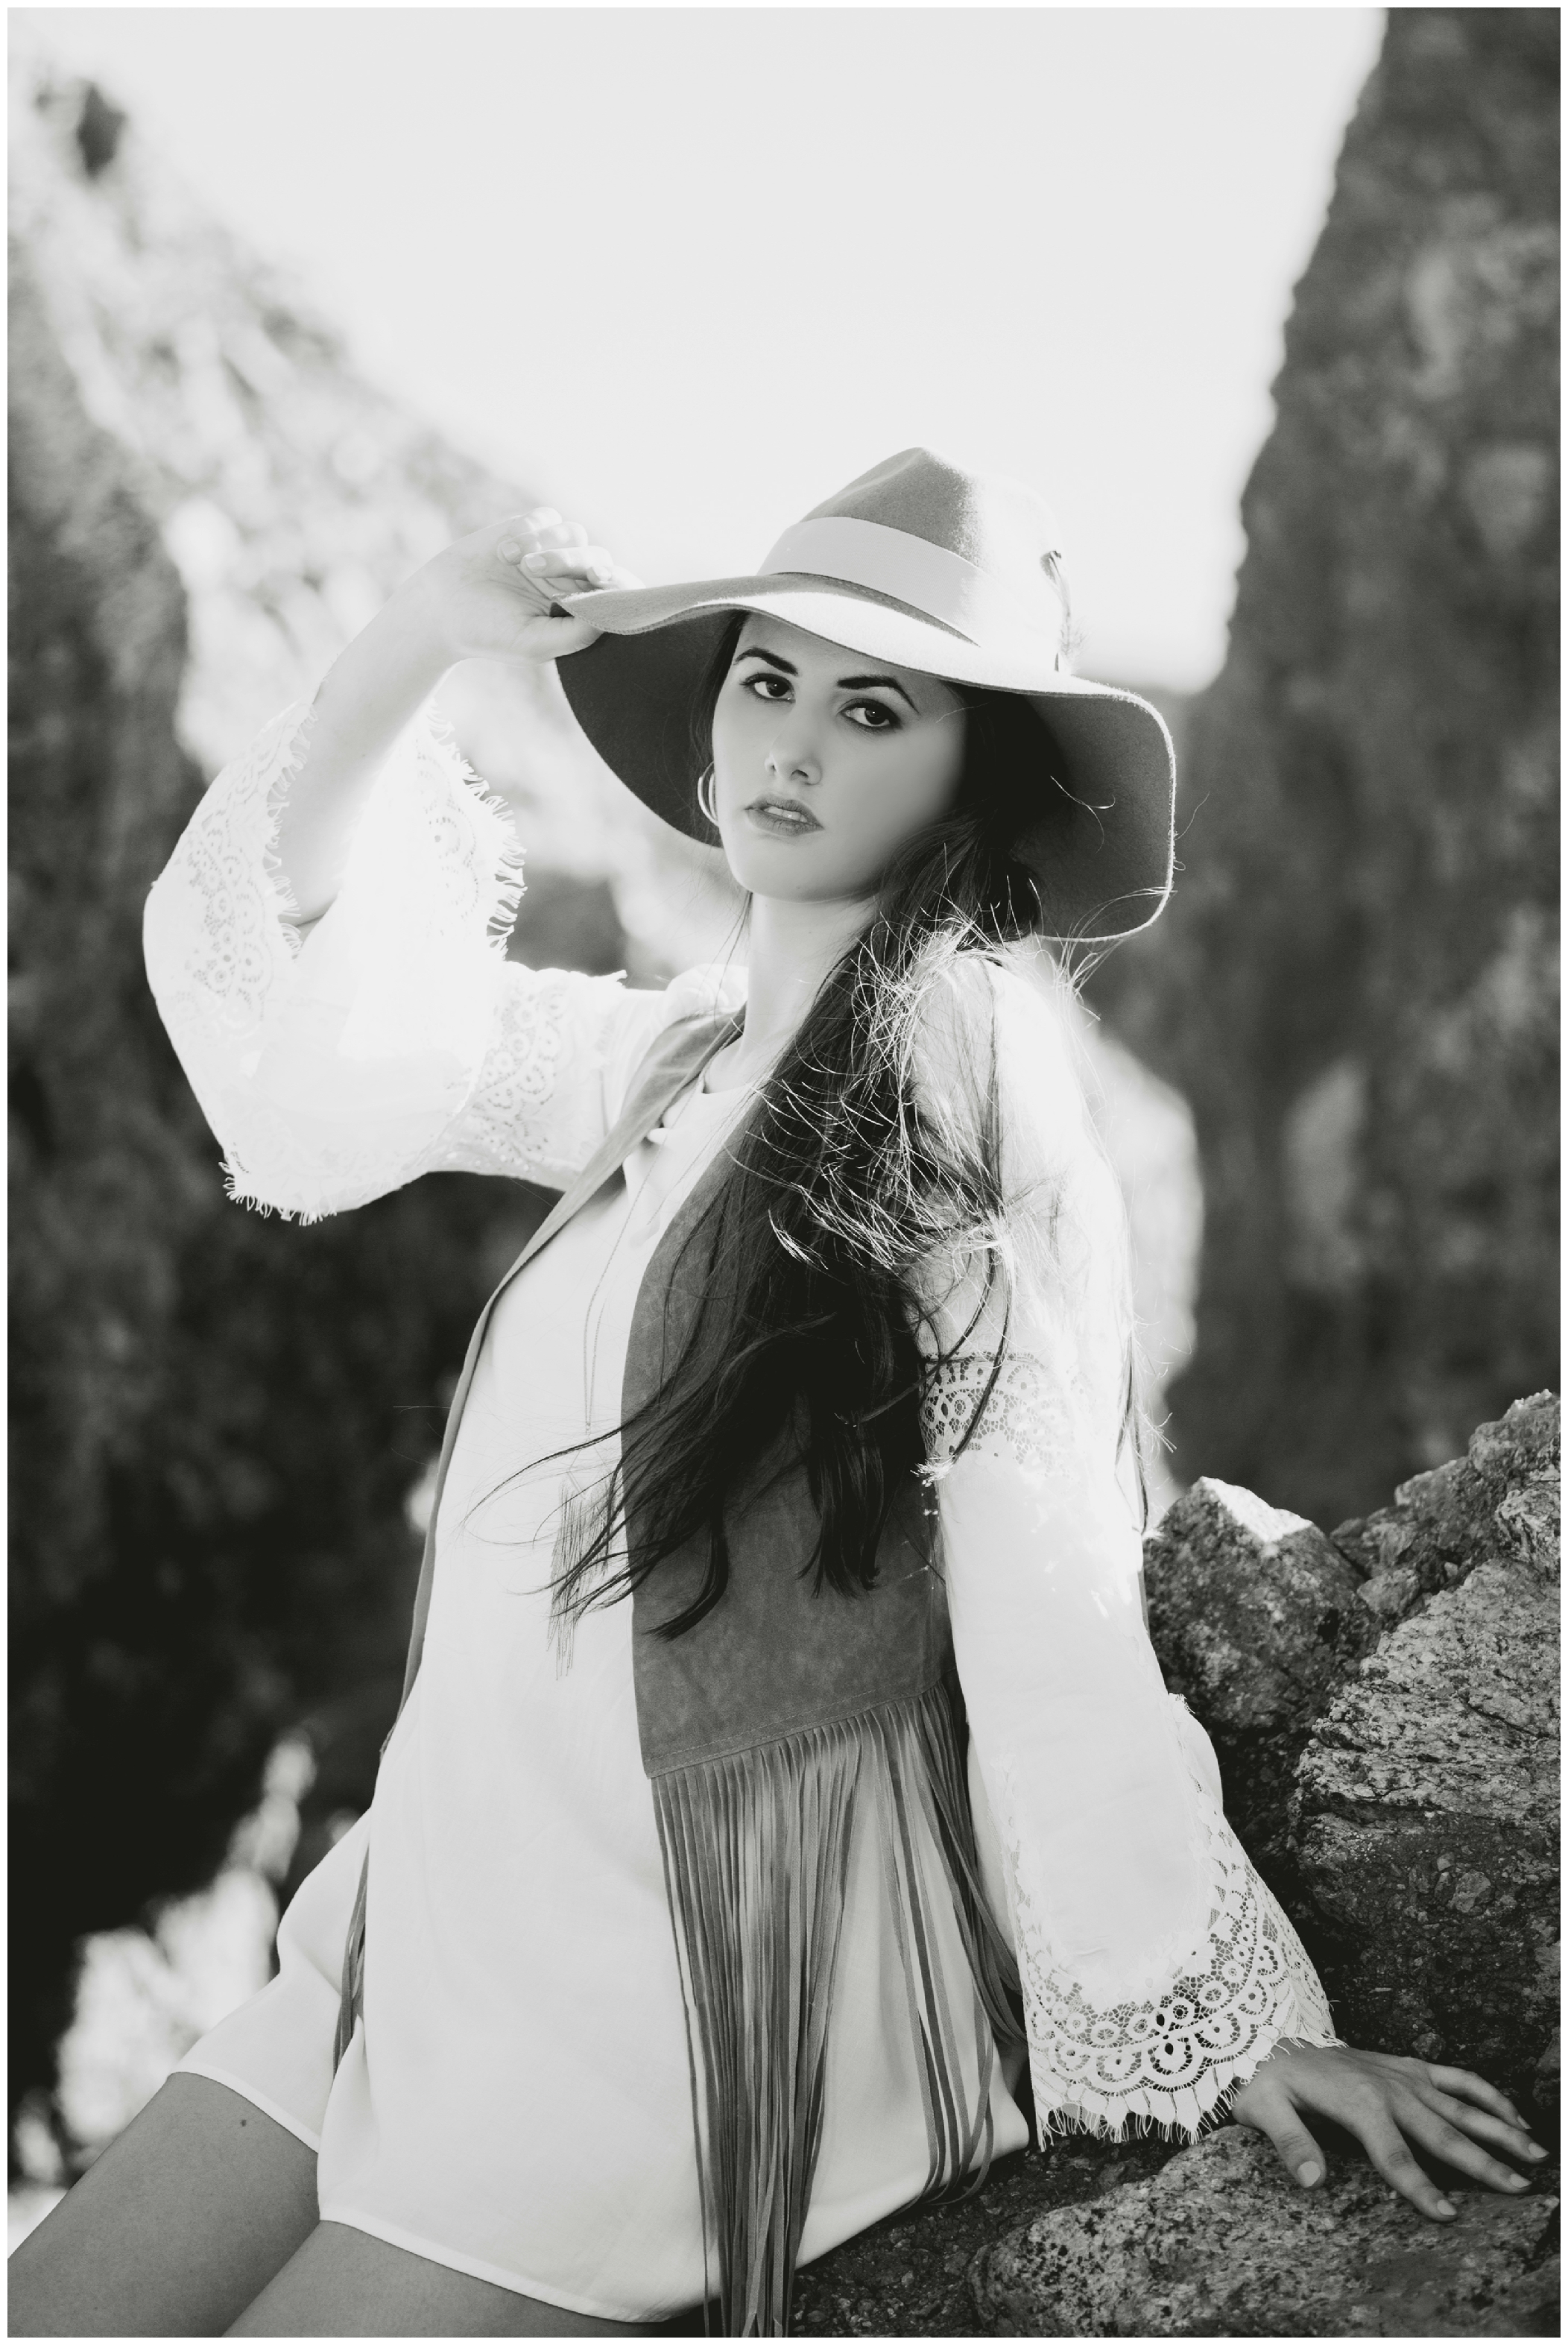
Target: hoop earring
column 705, row 798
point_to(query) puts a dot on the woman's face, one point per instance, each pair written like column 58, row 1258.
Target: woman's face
column 826, row 762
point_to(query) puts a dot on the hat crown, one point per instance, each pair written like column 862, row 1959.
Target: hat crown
column 1003, row 527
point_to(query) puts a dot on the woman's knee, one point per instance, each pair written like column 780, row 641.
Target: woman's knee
column 175, row 2228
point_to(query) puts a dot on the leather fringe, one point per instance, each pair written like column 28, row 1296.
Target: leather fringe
column 756, row 1851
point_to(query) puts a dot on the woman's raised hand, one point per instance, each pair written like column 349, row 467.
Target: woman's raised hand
column 489, row 594
column 1388, row 2103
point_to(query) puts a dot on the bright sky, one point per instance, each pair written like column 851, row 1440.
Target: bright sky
column 684, row 271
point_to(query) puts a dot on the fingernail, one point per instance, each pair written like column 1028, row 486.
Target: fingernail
column 1518, row 2182
column 509, row 549
column 536, row 561
column 1533, row 2149
column 1308, row 2173
column 1444, row 2206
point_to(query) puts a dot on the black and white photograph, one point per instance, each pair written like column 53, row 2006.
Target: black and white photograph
column 784, row 1222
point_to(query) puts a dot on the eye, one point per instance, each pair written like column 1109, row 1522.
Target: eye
column 873, row 717
column 764, row 677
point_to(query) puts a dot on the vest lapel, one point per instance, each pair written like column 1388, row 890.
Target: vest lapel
column 676, row 1059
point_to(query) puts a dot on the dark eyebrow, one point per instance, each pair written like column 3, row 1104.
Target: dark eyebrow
column 859, row 683
column 845, row 683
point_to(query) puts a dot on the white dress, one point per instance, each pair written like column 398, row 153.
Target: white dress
column 516, row 2103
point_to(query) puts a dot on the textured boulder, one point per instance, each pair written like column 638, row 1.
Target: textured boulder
column 1425, row 1815
column 1255, row 1616
column 1384, row 1707
column 909, row 2275
column 1253, row 1612
column 1220, row 2243
column 1355, row 986
column 1501, row 1497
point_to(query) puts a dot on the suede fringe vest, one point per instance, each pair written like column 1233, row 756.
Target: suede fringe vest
column 783, row 1722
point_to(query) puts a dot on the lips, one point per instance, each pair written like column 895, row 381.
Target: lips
column 784, row 816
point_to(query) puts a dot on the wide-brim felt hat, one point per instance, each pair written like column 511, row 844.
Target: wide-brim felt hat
column 923, row 564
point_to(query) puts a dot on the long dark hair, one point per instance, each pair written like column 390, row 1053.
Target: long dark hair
column 803, row 1348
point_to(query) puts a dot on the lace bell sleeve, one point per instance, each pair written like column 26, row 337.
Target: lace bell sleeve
column 1157, row 1969
column 392, row 1037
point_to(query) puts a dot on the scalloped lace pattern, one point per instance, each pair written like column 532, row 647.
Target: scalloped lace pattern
column 1032, row 1416
column 1170, row 2059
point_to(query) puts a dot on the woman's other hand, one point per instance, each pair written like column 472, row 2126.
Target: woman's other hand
column 1388, row 2103
column 489, row 595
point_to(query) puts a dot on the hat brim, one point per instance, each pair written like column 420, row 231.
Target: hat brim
column 1102, row 853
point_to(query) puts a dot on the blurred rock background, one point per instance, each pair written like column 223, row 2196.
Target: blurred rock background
column 206, row 502
column 1356, row 985
column 1347, row 1019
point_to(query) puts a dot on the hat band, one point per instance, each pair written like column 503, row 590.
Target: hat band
column 912, row 569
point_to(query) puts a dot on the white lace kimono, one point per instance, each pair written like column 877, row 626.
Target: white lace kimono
column 516, row 2102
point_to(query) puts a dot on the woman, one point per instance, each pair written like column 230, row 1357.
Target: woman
column 784, row 1769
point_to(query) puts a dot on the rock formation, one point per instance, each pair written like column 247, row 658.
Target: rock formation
column 1355, row 985
column 1219, row 2244
column 1385, row 1711
column 1384, row 1707
column 1254, row 1615
column 1425, row 1818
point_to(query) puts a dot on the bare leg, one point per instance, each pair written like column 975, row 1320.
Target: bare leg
column 175, row 2228
column 344, row 2283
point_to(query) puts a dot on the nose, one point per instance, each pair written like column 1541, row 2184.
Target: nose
column 794, row 757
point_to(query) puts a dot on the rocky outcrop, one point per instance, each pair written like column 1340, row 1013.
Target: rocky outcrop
column 1219, row 2243
column 1254, row 1615
column 1384, row 1706
column 1501, row 1497
column 910, row 2275
column 1355, row 985
column 1425, row 1818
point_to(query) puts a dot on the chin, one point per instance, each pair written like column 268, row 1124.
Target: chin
column 761, row 875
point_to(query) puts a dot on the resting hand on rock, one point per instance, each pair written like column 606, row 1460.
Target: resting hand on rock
column 1388, row 2103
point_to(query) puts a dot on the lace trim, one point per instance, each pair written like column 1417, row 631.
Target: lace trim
column 1167, row 2061
column 229, row 855
column 503, row 1123
column 436, row 876
column 478, row 858
column 1033, row 1417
